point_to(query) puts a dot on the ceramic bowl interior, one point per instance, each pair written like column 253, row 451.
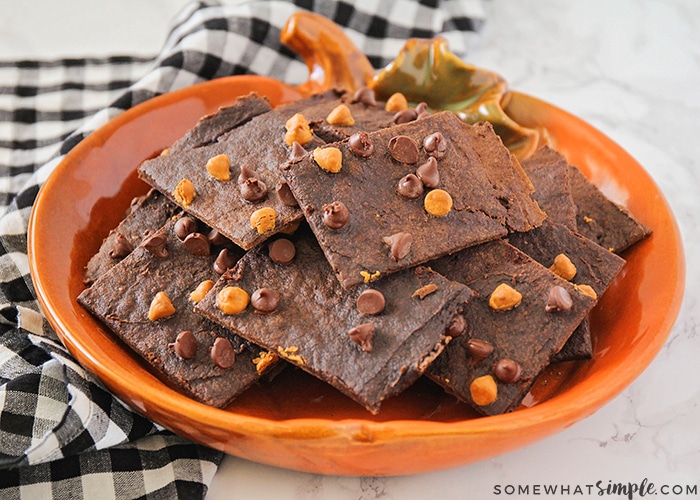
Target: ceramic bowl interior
column 296, row 421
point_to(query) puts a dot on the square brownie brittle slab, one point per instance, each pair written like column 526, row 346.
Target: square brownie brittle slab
column 258, row 145
column 495, row 363
column 368, row 348
column 198, row 362
column 487, row 194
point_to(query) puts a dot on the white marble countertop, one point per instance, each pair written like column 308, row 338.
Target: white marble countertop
column 630, row 68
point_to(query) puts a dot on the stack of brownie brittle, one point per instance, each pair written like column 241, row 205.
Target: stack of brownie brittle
column 367, row 243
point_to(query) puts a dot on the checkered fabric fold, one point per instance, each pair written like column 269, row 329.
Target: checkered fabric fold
column 62, row 434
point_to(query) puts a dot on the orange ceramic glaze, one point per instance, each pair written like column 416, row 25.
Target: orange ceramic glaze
column 296, row 421
column 333, row 60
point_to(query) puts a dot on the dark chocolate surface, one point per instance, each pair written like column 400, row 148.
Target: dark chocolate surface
column 310, row 328
column 490, row 192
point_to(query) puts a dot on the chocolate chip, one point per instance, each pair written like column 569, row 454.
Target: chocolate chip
column 363, row 335
column 222, row 353
column 156, row 245
column 399, row 245
column 410, row 186
column 428, row 173
column 405, row 116
column 297, row 153
column 265, row 300
column 284, row 193
column 479, row 349
column 422, row 110
column 225, row 260
column 403, row 149
column 435, row 145
column 121, row 247
column 506, row 370
column 185, row 345
column 361, row 145
column 282, row 251
column 457, row 327
column 559, row 299
column 253, row 190
column 197, row 244
column 365, row 95
column 184, row 226
column 217, row 239
column 335, row 215
column 246, row 173
column 370, row 302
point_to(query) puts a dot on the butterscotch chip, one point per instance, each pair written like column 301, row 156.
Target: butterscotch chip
column 201, row 290
column 504, row 297
column 438, row 203
column 298, row 130
column 218, row 167
column 184, row 192
column 161, row 307
column 424, row 291
column 341, row 115
column 263, row 219
column 396, row 102
column 587, row 290
column 483, row 390
column 563, row 267
column 232, row 300
column 329, row 159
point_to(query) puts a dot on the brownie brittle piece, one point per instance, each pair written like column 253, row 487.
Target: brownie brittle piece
column 233, row 184
column 148, row 212
column 370, row 343
column 522, row 315
column 588, row 263
column 146, row 301
column 410, row 193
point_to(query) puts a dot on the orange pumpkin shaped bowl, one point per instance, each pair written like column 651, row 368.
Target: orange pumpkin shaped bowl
column 295, row 421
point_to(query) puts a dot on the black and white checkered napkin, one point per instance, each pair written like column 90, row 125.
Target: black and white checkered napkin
column 62, row 433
